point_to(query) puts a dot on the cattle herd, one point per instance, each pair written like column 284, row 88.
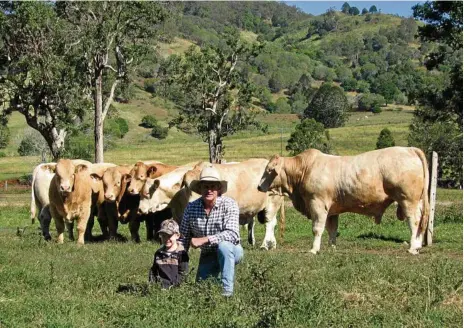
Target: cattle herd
column 320, row 186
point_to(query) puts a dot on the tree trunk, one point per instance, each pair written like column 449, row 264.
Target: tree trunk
column 215, row 147
column 212, row 146
column 98, row 132
column 55, row 140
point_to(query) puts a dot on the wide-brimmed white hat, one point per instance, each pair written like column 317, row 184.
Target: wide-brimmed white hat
column 208, row 174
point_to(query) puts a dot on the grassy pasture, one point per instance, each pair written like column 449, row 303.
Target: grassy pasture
column 368, row 281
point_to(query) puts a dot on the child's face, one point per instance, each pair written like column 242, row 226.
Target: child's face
column 169, row 240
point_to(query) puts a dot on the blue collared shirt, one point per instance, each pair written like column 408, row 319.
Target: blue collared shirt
column 220, row 225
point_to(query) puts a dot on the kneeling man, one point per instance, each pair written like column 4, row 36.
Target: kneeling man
column 211, row 223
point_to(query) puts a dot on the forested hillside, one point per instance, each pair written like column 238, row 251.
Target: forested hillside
column 237, row 59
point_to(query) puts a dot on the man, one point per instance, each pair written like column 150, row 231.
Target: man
column 211, row 223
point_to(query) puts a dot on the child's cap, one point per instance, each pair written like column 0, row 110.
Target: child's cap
column 169, row 227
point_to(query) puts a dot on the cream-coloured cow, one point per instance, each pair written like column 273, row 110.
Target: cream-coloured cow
column 242, row 181
column 322, row 186
column 42, row 175
column 71, row 197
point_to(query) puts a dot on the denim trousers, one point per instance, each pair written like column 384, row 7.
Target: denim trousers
column 221, row 262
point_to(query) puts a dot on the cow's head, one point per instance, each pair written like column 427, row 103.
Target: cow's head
column 114, row 184
column 158, row 193
column 138, row 177
column 271, row 179
column 65, row 174
column 193, row 174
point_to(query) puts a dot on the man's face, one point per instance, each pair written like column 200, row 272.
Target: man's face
column 210, row 190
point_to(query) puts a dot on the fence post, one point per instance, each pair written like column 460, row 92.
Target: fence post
column 432, row 197
column 6, row 186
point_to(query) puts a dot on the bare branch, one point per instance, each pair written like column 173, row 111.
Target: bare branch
column 109, row 100
column 111, row 68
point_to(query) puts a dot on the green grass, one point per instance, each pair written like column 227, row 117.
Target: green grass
column 368, row 281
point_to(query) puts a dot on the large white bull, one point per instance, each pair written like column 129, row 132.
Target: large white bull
column 322, row 186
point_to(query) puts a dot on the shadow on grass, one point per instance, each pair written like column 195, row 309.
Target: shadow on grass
column 141, row 289
column 372, row 235
column 100, row 239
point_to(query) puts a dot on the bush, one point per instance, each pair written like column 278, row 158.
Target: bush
column 308, row 134
column 149, row 121
column 363, row 86
column 115, row 127
column 349, row 84
column 385, row 139
column 369, row 101
column 282, row 106
column 376, row 109
column 4, row 136
column 78, row 148
column 149, row 85
column 329, row 106
column 2, row 154
column 159, row 132
column 32, row 144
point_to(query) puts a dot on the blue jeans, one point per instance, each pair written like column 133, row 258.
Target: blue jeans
column 223, row 261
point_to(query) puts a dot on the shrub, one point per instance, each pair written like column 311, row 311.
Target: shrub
column 115, row 127
column 2, row 154
column 282, row 106
column 349, row 84
column 329, row 106
column 78, row 148
column 149, row 121
column 4, row 136
column 149, row 85
column 33, row 144
column 308, row 134
column 385, row 139
column 363, row 86
column 370, row 100
column 159, row 132
column 376, row 109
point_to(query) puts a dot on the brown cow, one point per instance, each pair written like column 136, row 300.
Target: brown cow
column 322, row 186
column 122, row 205
column 142, row 170
column 70, row 196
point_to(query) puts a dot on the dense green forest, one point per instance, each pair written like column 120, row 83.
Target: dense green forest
column 277, row 58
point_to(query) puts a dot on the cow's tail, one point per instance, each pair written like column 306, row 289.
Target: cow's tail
column 425, row 197
column 282, row 221
column 33, row 204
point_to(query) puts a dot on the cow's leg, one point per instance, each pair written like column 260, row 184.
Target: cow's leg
column 412, row 211
column 134, row 226
column 70, row 228
column 269, row 241
column 103, row 221
column 59, row 224
column 150, row 225
column 89, row 227
column 318, row 215
column 332, row 227
column 82, row 225
column 45, row 219
column 251, row 231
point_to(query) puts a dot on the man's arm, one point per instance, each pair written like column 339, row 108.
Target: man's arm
column 185, row 231
column 230, row 229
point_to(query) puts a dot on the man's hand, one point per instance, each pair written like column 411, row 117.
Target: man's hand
column 197, row 242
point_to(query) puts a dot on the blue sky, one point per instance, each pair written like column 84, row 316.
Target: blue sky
column 402, row 8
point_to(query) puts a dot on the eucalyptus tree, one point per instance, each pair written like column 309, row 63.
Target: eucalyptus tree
column 216, row 94
column 111, row 37
column 37, row 76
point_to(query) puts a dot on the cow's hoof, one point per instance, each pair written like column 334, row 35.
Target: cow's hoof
column 413, row 251
column 264, row 247
column 334, row 247
column 313, row 251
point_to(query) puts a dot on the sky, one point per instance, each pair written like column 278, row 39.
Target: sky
column 401, row 8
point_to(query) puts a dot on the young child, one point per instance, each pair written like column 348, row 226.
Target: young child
column 170, row 263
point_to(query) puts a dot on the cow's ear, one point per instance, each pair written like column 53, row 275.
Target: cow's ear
column 156, row 184
column 126, row 178
column 50, row 167
column 177, row 187
column 80, row 168
column 96, row 177
column 151, row 172
column 138, row 164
